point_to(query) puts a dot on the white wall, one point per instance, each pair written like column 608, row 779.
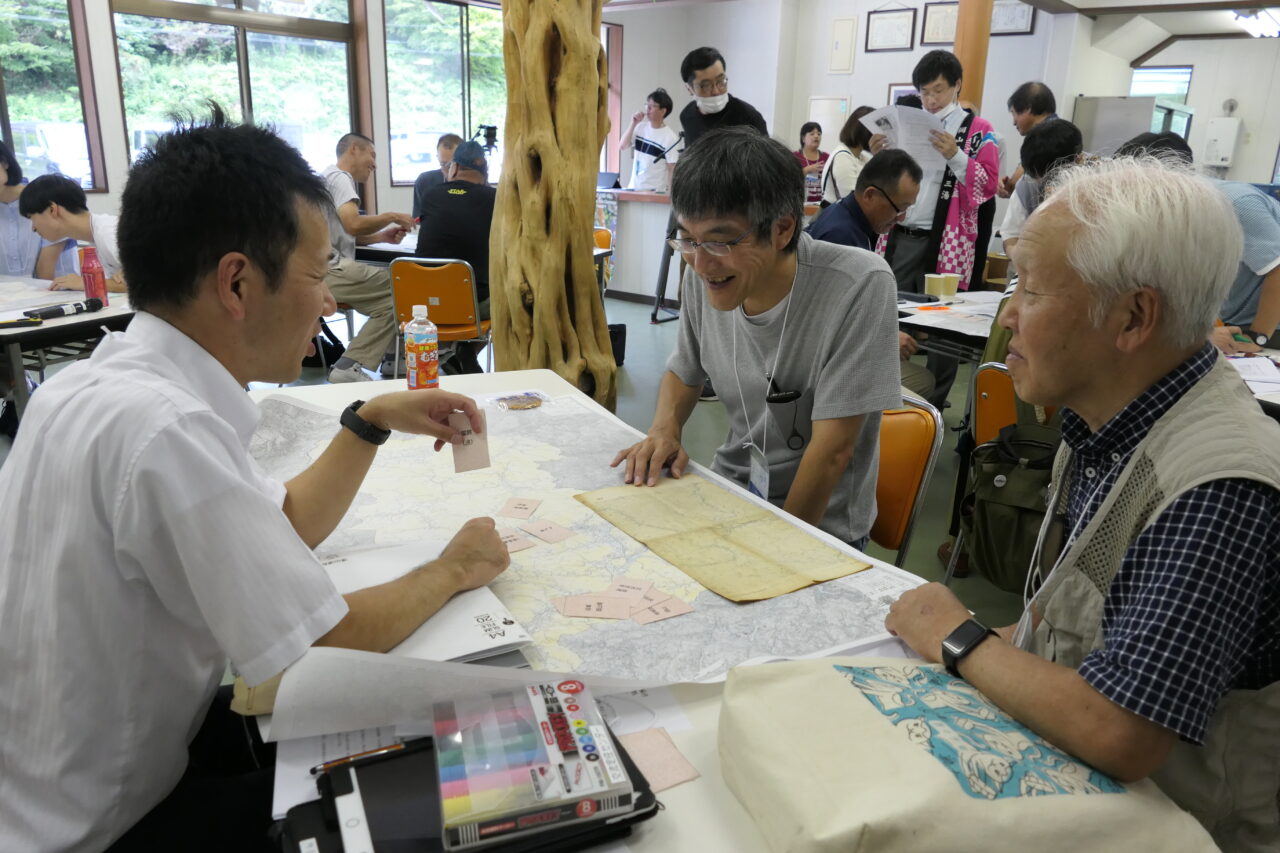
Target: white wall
column 1247, row 70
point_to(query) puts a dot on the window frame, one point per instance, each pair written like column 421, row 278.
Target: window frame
column 88, row 100
column 464, row 48
column 353, row 34
column 1190, row 69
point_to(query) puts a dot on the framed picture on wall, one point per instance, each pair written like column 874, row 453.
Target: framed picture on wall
column 897, row 90
column 939, row 23
column 1011, row 18
column 891, row 29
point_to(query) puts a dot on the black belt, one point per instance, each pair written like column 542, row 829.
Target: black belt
column 912, row 232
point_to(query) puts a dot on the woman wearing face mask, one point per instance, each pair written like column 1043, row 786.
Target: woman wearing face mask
column 811, row 160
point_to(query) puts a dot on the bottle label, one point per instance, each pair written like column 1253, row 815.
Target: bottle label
column 422, row 360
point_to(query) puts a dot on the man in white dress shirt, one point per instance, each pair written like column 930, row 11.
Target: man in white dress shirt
column 141, row 547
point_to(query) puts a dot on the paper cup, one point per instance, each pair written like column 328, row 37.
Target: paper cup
column 936, row 285
column 950, row 285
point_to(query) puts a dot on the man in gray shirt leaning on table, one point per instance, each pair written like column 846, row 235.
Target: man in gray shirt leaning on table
column 797, row 335
column 160, row 550
column 364, row 287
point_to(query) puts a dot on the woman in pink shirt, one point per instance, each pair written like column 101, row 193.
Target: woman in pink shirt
column 811, row 160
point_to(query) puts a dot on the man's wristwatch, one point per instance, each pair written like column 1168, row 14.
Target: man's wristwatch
column 361, row 427
column 1257, row 337
column 961, row 641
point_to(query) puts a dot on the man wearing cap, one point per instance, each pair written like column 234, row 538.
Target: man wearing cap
column 455, row 223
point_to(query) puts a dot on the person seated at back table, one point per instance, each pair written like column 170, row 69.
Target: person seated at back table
column 58, row 210
column 162, row 549
column 886, row 186
column 365, row 287
column 1047, row 146
column 456, row 219
column 24, row 253
column 434, row 177
column 796, row 334
column 1152, row 647
column 1251, row 310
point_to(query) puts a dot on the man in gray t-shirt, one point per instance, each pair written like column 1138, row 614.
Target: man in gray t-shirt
column 365, row 288
column 797, row 335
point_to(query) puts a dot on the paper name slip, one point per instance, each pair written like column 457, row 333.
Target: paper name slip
column 516, row 761
column 472, row 625
column 473, row 453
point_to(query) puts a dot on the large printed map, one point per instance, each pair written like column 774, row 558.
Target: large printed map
column 550, row 454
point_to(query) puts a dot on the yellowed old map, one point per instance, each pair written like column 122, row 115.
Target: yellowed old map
column 724, row 542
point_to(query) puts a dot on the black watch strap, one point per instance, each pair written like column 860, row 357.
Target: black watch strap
column 362, row 428
column 960, row 642
column 1259, row 338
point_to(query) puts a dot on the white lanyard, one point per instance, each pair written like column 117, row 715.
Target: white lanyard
column 764, row 449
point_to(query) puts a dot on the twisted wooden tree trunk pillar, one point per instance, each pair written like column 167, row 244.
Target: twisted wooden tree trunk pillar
column 547, row 310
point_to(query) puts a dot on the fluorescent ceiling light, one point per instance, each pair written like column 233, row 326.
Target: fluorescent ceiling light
column 1260, row 23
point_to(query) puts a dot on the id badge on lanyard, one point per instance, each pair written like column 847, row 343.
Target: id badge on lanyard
column 759, row 483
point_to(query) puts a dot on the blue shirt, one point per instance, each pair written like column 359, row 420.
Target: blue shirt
column 844, row 223
column 1259, row 216
column 1194, row 609
column 20, row 247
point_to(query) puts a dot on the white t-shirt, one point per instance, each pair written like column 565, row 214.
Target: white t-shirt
column 103, row 226
column 140, row 548
column 1015, row 217
column 653, row 149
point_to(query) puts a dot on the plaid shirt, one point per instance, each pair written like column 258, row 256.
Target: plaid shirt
column 1194, row 610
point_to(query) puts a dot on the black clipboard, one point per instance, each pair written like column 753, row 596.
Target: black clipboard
column 400, row 791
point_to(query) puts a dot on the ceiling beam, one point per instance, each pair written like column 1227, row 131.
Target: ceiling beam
column 1053, row 7
column 1203, row 6
column 1141, row 60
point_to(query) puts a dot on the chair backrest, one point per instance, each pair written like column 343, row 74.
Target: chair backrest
column 910, row 439
column 994, row 403
column 604, row 238
column 447, row 287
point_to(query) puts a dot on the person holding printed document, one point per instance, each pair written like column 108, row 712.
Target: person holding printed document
column 653, row 144
column 162, row 551
column 797, row 334
column 940, row 232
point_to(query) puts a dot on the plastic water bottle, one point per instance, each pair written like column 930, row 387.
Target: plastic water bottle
column 422, row 351
column 91, row 272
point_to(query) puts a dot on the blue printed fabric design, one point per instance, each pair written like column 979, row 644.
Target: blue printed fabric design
column 991, row 755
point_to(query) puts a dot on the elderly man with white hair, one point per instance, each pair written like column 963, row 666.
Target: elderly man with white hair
column 1152, row 646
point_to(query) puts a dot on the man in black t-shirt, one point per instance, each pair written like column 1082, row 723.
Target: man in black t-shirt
column 455, row 223
column 712, row 106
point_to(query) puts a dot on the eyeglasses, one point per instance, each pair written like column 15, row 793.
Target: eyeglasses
column 719, row 248
column 708, row 87
column 897, row 210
